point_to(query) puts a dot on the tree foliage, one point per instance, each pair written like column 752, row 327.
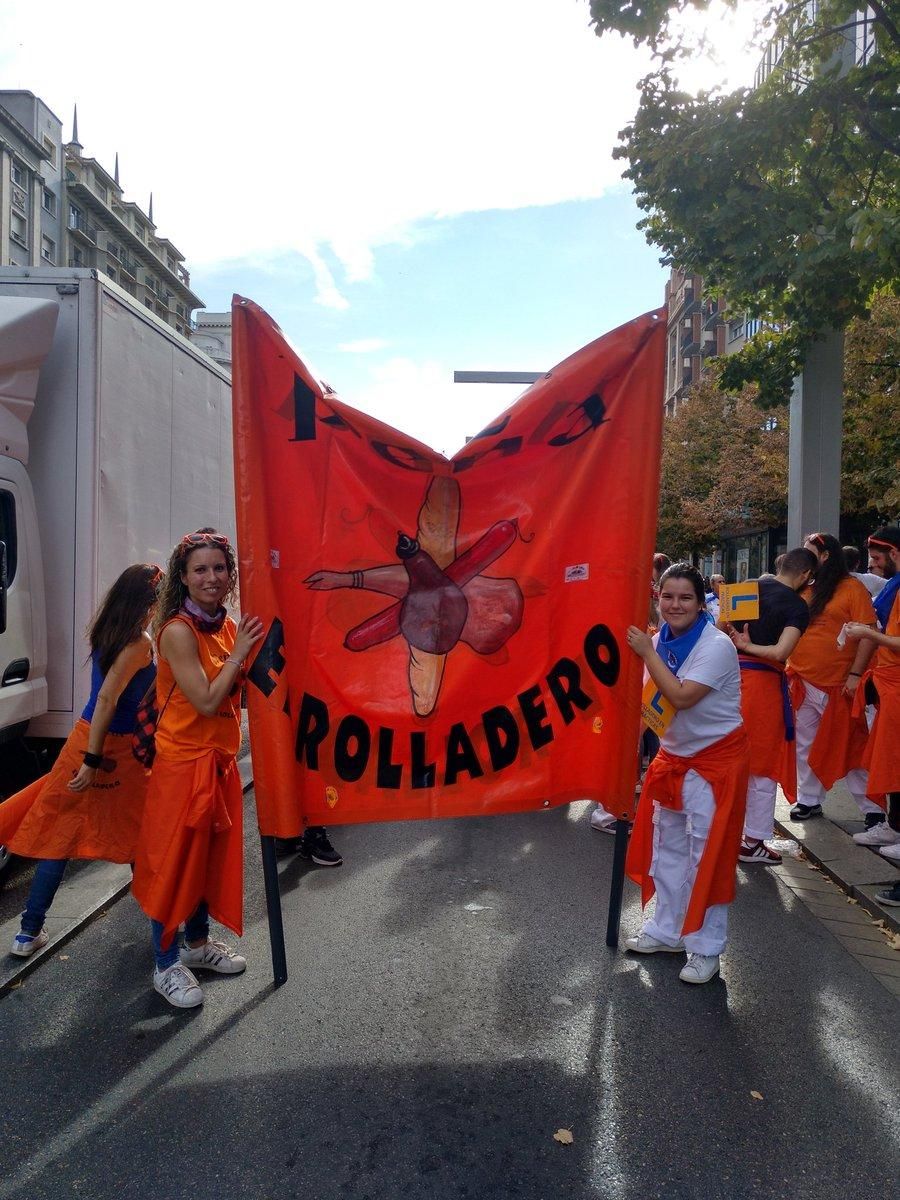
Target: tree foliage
column 784, row 197
column 870, row 472
column 724, row 467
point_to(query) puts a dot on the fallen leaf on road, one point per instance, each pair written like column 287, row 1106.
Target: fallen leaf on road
column 18, row 983
column 756, row 1095
column 564, row 1136
column 64, row 958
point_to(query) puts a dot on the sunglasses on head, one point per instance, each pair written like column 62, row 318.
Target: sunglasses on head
column 204, row 539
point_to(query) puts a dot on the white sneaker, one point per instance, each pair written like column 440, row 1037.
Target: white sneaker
column 213, row 956
column 879, row 835
column 26, row 944
column 603, row 821
column 892, row 852
column 178, row 986
column 643, row 943
column 700, row 968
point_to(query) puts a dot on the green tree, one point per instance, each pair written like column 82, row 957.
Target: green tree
column 870, row 481
column 783, row 197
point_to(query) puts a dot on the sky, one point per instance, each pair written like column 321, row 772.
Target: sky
column 408, row 189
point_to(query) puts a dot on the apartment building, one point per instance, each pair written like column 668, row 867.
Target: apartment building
column 697, row 328
column 59, row 207
column 212, row 335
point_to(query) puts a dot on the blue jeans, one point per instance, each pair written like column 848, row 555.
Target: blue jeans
column 47, row 878
column 196, row 929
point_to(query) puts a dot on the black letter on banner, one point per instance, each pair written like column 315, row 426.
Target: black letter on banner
column 534, row 710
column 606, row 669
column 461, row 754
column 592, row 414
column 312, row 726
column 413, row 460
column 388, row 775
column 423, row 773
column 351, row 766
column 564, row 681
column 502, row 736
column 304, row 411
column 336, row 421
column 269, row 662
column 492, row 430
column 505, row 448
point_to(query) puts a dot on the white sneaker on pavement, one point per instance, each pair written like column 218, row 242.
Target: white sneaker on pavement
column 603, row 821
column 643, row 943
column 177, row 985
column 213, row 956
column 879, row 835
column 26, row 944
column 700, row 968
column 892, row 852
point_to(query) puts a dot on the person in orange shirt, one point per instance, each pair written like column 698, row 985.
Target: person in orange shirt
column 91, row 803
column 883, row 752
column 824, row 675
column 189, row 861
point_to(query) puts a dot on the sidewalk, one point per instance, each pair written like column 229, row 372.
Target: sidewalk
column 79, row 902
column 828, row 843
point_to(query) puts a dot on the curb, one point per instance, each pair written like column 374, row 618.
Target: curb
column 106, row 885
column 827, row 843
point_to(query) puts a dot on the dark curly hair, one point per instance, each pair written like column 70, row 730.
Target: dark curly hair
column 174, row 592
column 123, row 612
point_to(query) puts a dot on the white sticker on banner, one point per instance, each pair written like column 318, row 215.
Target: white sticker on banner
column 577, row 573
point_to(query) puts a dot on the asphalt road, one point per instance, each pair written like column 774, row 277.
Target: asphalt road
column 450, row 1006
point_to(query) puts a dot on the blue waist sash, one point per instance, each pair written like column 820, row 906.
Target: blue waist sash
column 786, row 711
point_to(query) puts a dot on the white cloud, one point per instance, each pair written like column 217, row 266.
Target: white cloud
column 331, row 129
column 363, row 346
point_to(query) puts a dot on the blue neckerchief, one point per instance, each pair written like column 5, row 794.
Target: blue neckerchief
column 884, row 601
column 674, row 650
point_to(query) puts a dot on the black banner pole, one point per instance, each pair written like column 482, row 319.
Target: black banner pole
column 617, row 883
column 273, row 910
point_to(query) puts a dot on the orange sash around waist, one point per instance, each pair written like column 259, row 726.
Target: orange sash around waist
column 882, row 757
column 191, row 844
column 762, row 709
column 46, row 820
column 725, row 765
column 840, row 742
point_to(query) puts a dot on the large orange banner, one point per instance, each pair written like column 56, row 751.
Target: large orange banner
column 445, row 637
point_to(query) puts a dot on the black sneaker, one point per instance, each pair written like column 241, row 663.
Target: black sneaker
column 315, row 845
column 288, row 845
column 802, row 812
column 872, row 819
column 891, row 896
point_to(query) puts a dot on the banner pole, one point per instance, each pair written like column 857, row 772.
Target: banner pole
column 273, row 910
column 617, row 883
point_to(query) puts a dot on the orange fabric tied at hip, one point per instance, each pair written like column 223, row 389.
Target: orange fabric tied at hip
column 840, row 742
column 725, row 765
column 772, row 755
column 882, row 757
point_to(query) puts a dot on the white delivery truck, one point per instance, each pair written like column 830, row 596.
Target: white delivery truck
column 115, row 439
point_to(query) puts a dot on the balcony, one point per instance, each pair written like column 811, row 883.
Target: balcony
column 80, row 226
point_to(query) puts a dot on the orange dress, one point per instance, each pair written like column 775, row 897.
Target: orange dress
column 882, row 757
column 191, row 843
column 725, row 765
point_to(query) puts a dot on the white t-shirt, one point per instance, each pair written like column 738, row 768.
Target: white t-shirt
column 873, row 583
column 714, row 663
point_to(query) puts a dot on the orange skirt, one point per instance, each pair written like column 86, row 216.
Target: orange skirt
column 840, row 742
column 883, row 751
column 46, row 820
column 772, row 756
column 191, row 846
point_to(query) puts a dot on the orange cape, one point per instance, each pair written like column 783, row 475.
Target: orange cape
column 840, row 742
column 46, row 820
column 771, row 754
column 191, row 844
column 725, row 765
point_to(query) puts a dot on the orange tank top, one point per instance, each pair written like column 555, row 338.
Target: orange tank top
column 183, row 733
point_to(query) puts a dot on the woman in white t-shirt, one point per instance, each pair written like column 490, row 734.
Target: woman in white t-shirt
column 687, row 832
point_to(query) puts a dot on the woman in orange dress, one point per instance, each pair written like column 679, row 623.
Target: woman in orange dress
column 91, row 803
column 189, row 862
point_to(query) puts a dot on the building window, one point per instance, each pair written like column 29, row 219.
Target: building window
column 101, row 190
column 48, row 250
column 48, row 203
column 77, row 258
column 18, row 174
column 50, row 147
column 149, row 304
column 111, row 273
column 113, row 249
column 19, row 229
